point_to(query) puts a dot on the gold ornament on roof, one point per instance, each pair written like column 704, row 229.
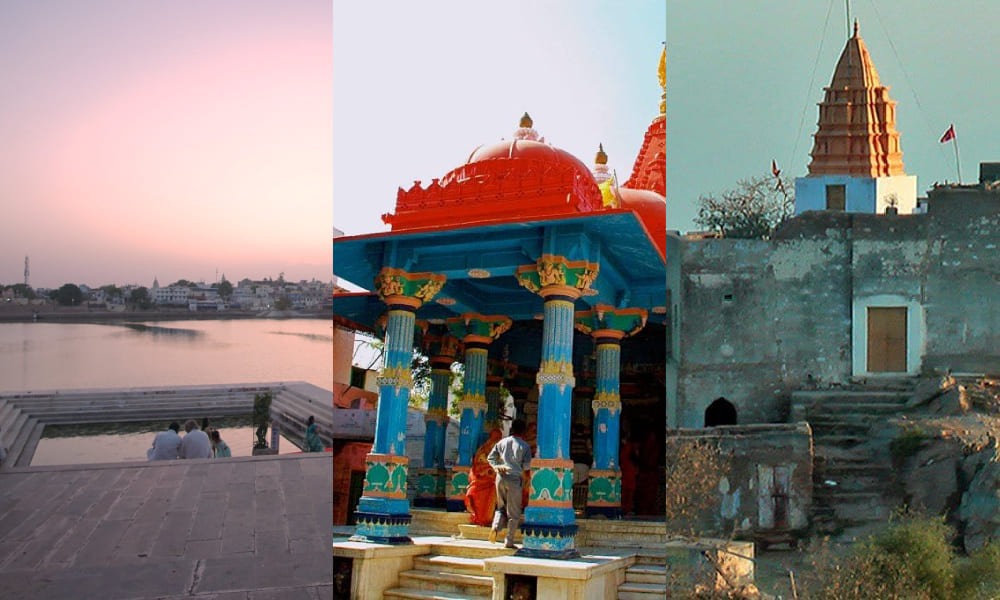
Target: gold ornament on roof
column 526, row 121
column 602, row 158
column 662, row 73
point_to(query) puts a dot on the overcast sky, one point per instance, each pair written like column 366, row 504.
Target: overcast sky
column 419, row 87
column 738, row 81
column 141, row 138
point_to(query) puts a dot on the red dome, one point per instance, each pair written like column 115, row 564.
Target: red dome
column 532, row 150
column 652, row 211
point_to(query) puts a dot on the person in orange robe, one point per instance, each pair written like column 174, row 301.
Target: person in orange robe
column 481, row 495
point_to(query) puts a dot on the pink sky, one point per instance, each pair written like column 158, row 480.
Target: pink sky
column 165, row 139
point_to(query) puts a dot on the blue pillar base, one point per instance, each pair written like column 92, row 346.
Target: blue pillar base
column 608, row 512
column 430, row 502
column 382, row 528
column 549, row 541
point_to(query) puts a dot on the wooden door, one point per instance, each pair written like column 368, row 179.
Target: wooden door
column 887, row 340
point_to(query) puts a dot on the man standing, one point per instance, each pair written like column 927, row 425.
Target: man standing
column 166, row 444
column 196, row 443
column 510, row 458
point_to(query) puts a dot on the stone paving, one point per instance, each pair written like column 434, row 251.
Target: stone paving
column 251, row 528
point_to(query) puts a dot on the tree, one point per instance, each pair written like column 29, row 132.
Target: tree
column 225, row 289
column 111, row 290
column 20, row 290
column 282, row 303
column 183, row 283
column 752, row 210
column 140, row 298
column 69, row 295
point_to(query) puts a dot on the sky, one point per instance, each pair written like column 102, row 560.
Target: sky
column 419, row 87
column 146, row 139
column 738, row 81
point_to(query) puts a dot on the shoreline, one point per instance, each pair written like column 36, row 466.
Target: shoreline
column 47, row 314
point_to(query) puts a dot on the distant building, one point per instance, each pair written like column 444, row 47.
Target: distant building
column 857, row 162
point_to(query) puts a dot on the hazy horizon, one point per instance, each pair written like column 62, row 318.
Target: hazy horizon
column 146, row 139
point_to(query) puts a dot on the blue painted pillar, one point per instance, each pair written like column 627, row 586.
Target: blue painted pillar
column 383, row 514
column 549, row 527
column 608, row 326
column 432, row 478
column 604, row 486
column 477, row 332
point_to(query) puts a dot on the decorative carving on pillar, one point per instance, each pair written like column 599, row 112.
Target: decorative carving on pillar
column 396, row 285
column 383, row 514
column 553, row 274
column 476, row 332
column 608, row 326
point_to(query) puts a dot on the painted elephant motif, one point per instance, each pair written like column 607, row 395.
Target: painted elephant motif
column 601, row 490
column 545, row 485
column 378, row 477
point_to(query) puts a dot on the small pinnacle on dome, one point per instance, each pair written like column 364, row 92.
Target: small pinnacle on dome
column 601, row 158
column 526, row 121
column 855, row 28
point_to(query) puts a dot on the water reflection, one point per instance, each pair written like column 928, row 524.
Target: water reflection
column 157, row 330
column 119, row 442
column 315, row 337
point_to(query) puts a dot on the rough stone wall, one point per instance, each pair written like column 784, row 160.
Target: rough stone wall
column 754, row 311
column 963, row 285
column 758, row 457
column 759, row 318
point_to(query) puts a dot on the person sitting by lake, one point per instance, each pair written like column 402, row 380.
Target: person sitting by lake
column 166, row 444
column 195, row 443
column 313, row 443
column 221, row 447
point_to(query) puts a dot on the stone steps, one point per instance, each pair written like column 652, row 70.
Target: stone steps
column 15, row 450
column 642, row 591
column 842, row 422
column 446, row 575
column 28, row 451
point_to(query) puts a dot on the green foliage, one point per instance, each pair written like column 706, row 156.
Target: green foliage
column 225, row 289
column 420, row 371
column 183, row 283
column 282, row 303
column 69, row 295
column 20, row 291
column 140, row 298
column 752, row 210
column 261, row 417
column 111, row 290
column 456, row 388
column 913, row 558
column 906, row 444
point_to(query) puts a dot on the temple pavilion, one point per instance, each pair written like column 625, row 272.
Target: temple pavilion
column 540, row 274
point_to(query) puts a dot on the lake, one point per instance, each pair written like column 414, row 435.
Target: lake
column 51, row 356
column 48, row 356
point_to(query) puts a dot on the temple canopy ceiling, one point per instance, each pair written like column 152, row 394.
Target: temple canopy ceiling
column 480, row 264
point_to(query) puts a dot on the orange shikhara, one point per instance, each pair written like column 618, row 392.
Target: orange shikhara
column 857, row 133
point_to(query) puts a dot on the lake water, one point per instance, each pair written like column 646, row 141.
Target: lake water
column 50, row 356
column 100, row 442
column 47, row 356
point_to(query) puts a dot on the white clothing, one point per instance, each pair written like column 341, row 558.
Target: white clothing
column 166, row 446
column 196, row 445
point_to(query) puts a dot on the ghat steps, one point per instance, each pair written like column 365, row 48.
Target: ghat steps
column 646, row 579
column 450, row 571
column 24, row 415
column 851, row 478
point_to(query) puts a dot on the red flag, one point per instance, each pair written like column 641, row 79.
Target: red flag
column 774, row 168
column 948, row 135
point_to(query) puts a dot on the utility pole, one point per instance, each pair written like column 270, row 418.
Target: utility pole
column 26, row 271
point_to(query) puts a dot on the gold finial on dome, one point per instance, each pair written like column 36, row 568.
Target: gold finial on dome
column 855, row 28
column 526, row 121
column 662, row 73
column 601, row 158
